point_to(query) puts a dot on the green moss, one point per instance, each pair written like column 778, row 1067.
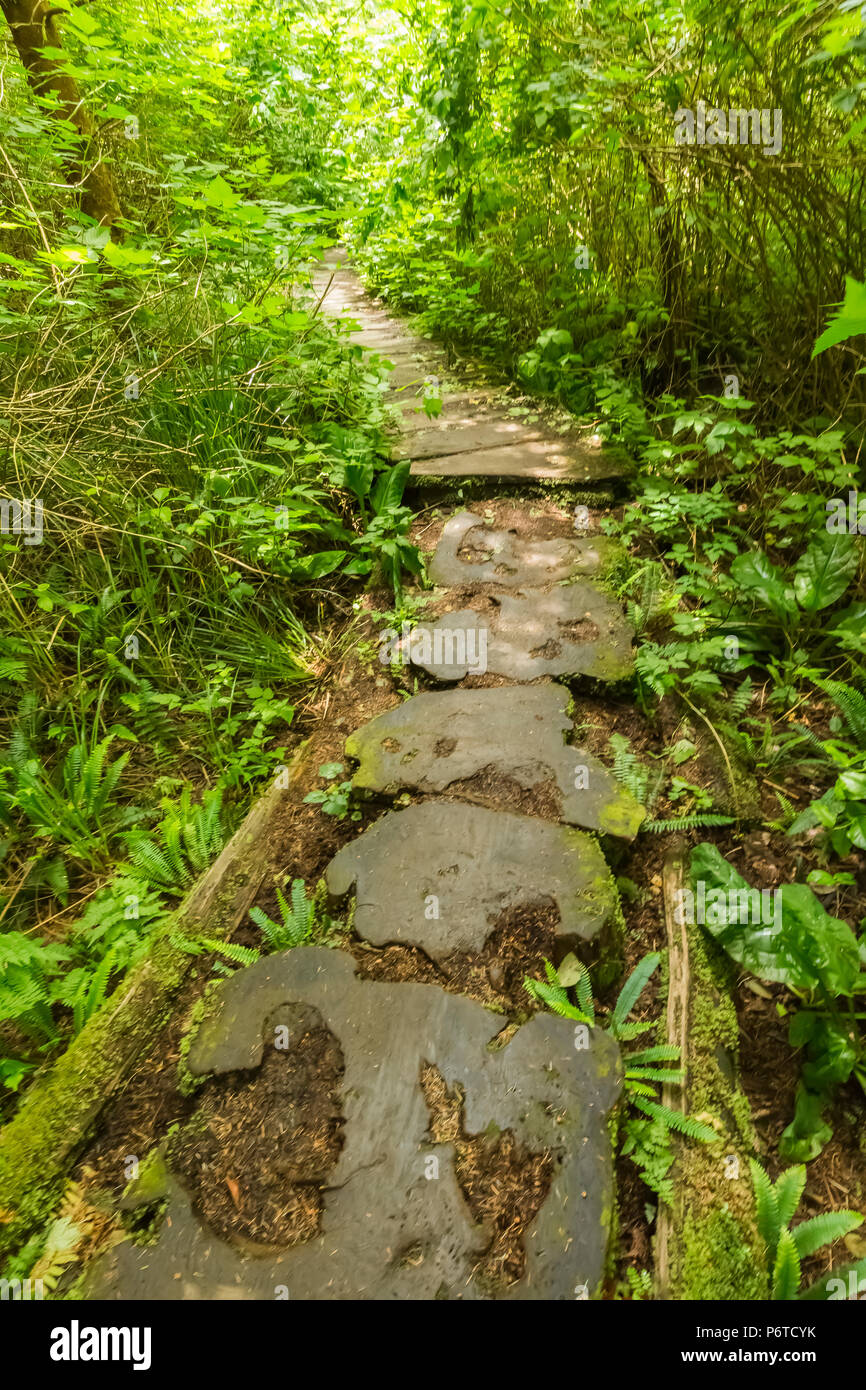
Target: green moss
column 152, row 1182
column 716, row 1252
column 61, row 1108
column 622, row 816
column 611, row 941
column 203, row 1009
column 718, row 1264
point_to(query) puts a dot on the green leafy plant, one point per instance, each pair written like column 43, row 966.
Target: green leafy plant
column 75, row 806
column 841, row 812
column 29, row 969
column 776, row 1205
column 648, row 1122
column 337, row 800
column 189, row 838
column 791, row 601
column 819, row 959
column 297, row 919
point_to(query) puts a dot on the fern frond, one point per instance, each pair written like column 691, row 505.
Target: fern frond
column 851, row 705
column 741, row 699
column 241, row 955
column 766, row 1207
column 672, row 1077
column 810, row 1235
column 698, row 822
column 556, row 999
column 633, row 988
column 786, row 1268
column 788, row 1189
column 672, row 1119
column 583, row 990
column 640, row 1088
column 664, row 1052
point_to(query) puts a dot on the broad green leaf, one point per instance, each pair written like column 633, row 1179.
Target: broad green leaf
column 824, row 571
column 803, row 947
column 315, row 566
column 808, row 1132
column 761, row 580
column 850, row 320
column 388, row 492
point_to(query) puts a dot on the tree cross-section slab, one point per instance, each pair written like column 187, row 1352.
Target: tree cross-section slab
column 444, row 739
column 470, row 551
column 573, row 629
column 577, row 461
column 396, row 1223
column 439, row 875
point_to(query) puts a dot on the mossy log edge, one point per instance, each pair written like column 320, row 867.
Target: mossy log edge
column 58, row 1113
column 707, row 1245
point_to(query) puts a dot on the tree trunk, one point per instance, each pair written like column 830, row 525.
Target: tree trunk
column 34, row 26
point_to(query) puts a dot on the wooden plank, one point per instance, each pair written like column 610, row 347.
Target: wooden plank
column 576, row 462
column 452, row 438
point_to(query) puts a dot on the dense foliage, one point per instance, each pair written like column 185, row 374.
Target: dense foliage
column 204, row 459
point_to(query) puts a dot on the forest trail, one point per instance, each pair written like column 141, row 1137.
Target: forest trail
column 474, row 436
column 443, row 1099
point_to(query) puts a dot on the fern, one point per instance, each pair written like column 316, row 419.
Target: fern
column 150, row 715
column 640, row 1282
column 647, row 1125
column 189, row 839
column 119, row 918
column 739, row 702
column 850, row 703
column 633, row 989
column 673, row 1119
column 810, row 1235
column 698, row 822
column 298, row 919
column 200, row 945
column 786, row 1268
column 240, row 955
column 627, row 768
column 28, row 967
column 66, row 1237
column 775, row 1206
column 92, row 993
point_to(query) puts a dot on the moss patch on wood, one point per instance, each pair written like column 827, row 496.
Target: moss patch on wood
column 709, row 1248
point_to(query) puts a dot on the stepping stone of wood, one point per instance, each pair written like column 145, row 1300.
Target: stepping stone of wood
column 395, row 1222
column 386, row 343
column 412, row 371
column 572, row 630
column 470, row 551
column 576, row 461
column 440, row 874
column 506, row 736
column 449, row 438
column 459, row 408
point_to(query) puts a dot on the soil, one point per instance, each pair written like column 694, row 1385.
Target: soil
column 504, row 1184
column 259, row 1150
column 491, row 788
column 543, row 520
column 519, row 943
